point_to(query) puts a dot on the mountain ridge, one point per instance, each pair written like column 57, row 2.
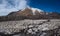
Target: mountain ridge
column 30, row 13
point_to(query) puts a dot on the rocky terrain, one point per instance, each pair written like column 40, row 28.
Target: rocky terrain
column 30, row 28
column 30, row 22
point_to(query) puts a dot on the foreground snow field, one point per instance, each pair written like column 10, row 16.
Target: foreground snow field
column 29, row 26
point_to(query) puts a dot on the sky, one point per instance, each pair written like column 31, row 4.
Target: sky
column 46, row 5
column 8, row 6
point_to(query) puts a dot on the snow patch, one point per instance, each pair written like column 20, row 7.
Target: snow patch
column 33, row 9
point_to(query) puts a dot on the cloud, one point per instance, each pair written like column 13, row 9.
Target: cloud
column 7, row 6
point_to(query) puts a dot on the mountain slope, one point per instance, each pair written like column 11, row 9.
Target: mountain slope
column 30, row 13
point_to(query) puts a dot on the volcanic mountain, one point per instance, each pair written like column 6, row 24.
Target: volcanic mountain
column 30, row 13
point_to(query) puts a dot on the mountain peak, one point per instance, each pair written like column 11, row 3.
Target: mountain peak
column 33, row 10
column 30, row 13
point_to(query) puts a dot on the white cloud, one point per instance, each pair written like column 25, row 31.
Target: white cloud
column 7, row 6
